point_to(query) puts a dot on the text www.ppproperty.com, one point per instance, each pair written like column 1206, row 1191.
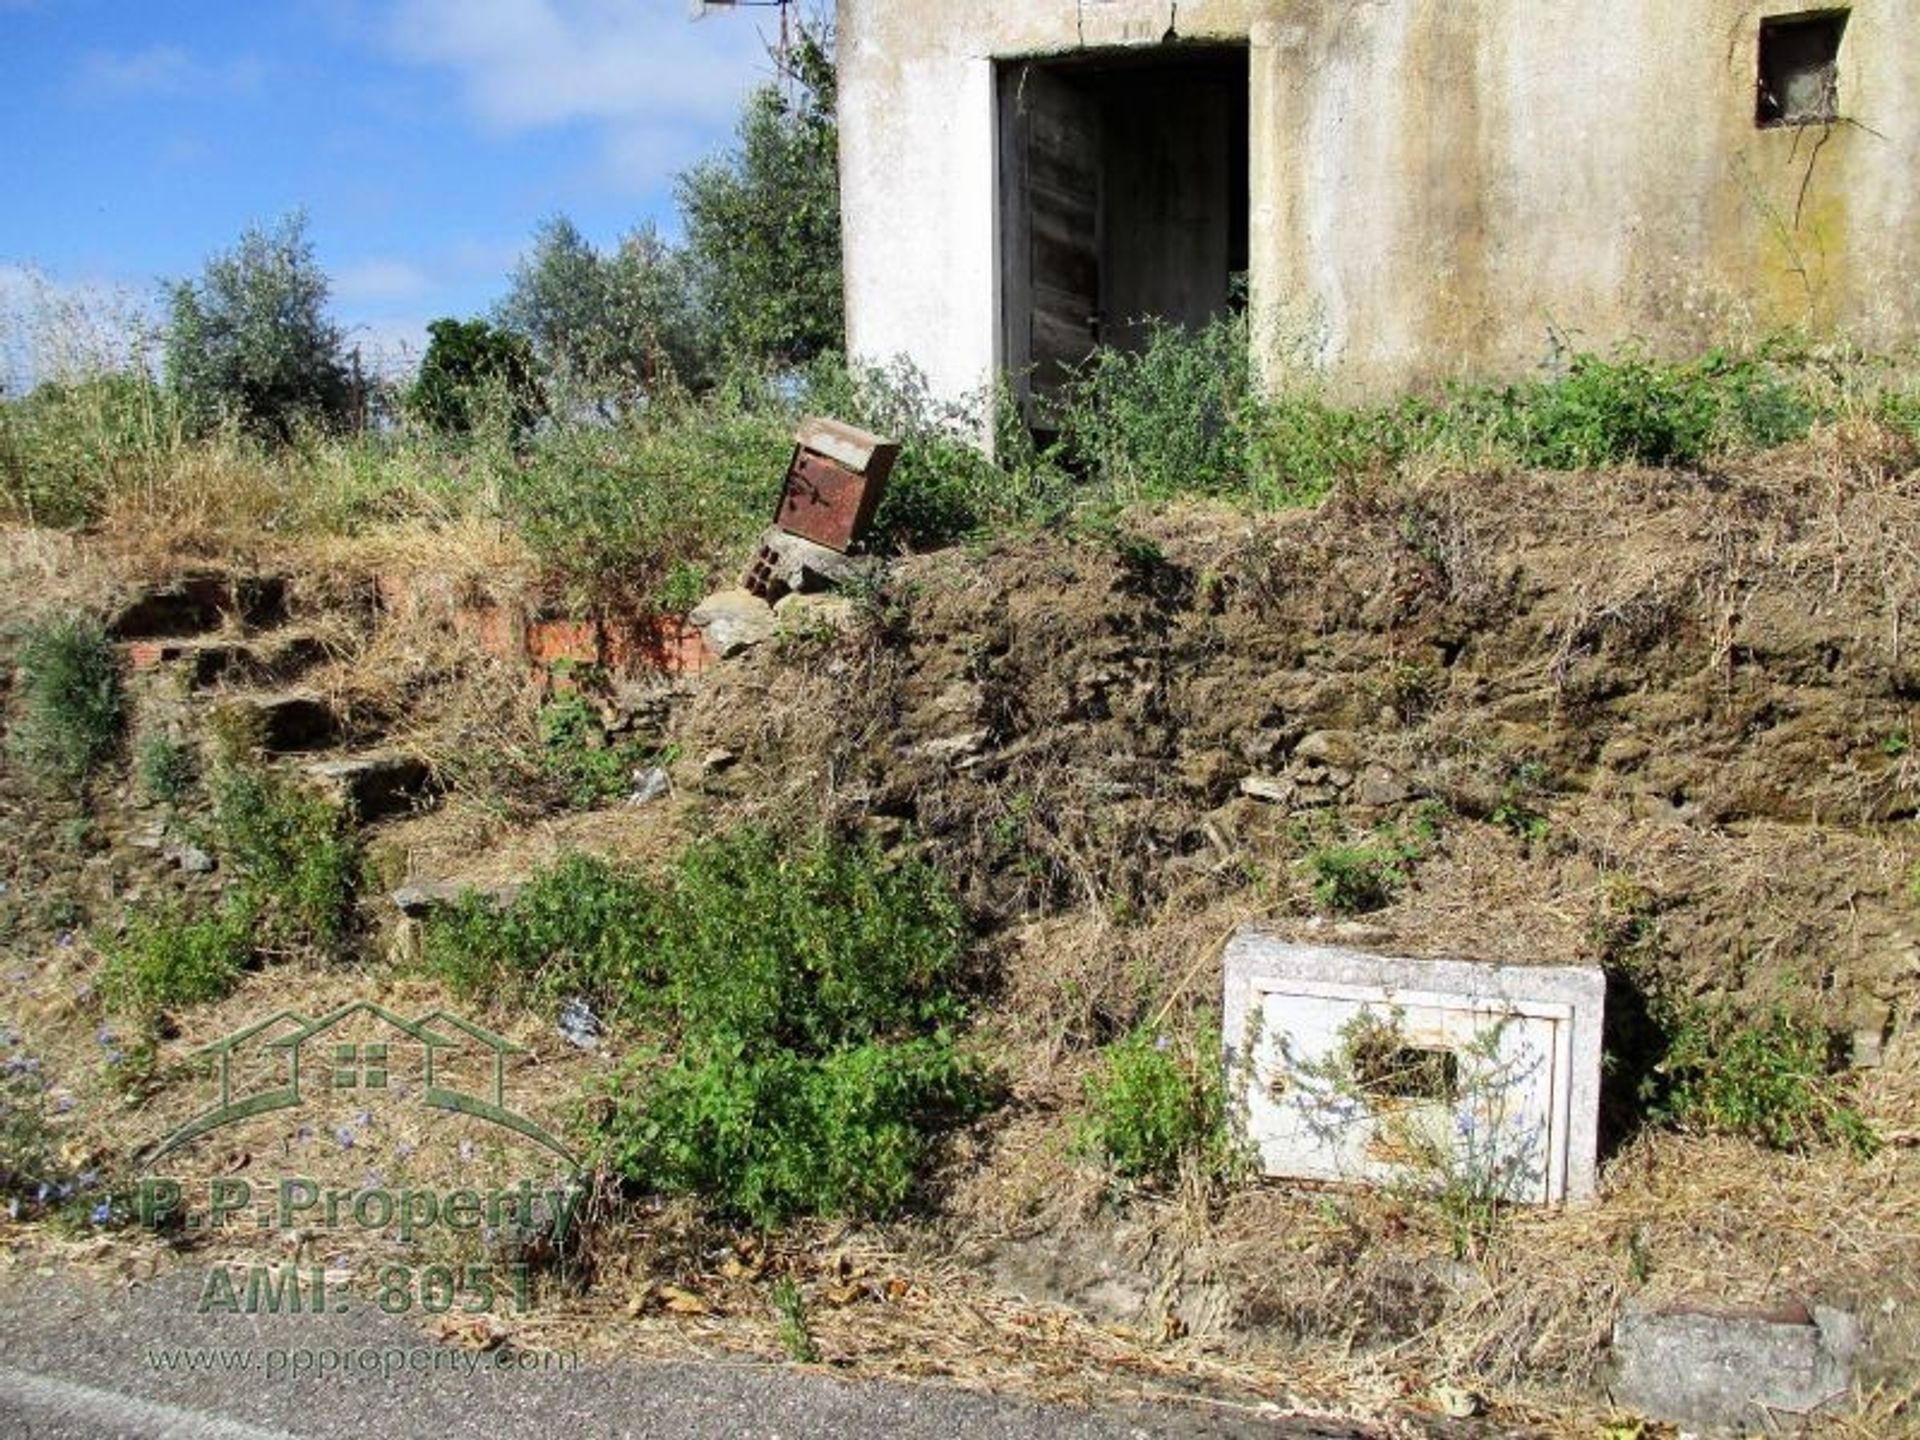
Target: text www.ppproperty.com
column 365, row 1361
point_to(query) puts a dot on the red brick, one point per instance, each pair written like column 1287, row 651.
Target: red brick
column 492, row 628
column 552, row 640
column 147, row 654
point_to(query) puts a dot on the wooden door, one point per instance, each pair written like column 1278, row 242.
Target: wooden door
column 1050, row 238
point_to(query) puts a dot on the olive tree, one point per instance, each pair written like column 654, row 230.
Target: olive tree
column 250, row 341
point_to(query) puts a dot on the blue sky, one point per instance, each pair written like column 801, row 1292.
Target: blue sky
column 425, row 139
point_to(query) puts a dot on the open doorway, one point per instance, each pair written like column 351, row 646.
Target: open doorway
column 1123, row 196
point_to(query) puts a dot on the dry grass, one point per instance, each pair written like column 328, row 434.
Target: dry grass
column 1078, row 840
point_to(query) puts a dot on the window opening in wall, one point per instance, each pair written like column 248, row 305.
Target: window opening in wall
column 1800, row 68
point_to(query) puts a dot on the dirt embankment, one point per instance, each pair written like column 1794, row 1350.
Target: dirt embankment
column 1684, row 696
column 1660, row 721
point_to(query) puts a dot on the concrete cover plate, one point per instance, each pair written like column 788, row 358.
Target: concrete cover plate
column 1346, row 1066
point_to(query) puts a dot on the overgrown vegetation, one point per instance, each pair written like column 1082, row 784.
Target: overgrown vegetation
column 1154, row 1105
column 1773, row 1080
column 294, row 852
column 166, row 768
column 168, row 957
column 71, row 708
column 1352, row 874
column 580, row 929
column 576, row 753
column 803, row 998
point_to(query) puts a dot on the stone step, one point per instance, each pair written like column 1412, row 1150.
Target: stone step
column 277, row 656
column 199, row 604
column 376, row 784
column 288, row 723
column 420, row 897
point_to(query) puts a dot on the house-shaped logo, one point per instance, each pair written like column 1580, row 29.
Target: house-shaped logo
column 268, row 1065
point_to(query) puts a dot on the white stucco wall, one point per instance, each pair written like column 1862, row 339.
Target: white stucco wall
column 1436, row 184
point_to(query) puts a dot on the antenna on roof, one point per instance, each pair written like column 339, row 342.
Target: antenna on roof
column 700, row 9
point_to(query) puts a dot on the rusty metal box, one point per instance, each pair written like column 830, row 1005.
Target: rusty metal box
column 834, row 482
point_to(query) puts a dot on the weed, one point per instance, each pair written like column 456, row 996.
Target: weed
column 576, row 752
column 166, row 959
column 810, row 988
column 772, row 1134
column 1353, row 879
column 1351, row 876
column 1152, row 1106
column 791, row 1307
column 72, row 704
column 579, row 929
column 1773, row 1081
column 28, row 1152
column 1441, row 1114
column 165, row 769
column 1167, row 418
column 682, row 589
column 294, row 852
column 810, row 945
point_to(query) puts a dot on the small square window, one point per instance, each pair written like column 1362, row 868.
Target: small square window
column 1800, row 69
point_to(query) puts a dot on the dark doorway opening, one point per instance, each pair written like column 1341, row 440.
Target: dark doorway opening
column 1123, row 197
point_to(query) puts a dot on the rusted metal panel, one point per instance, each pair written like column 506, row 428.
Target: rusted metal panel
column 828, row 502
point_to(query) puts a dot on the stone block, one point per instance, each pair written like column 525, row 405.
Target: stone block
column 1732, row 1373
column 732, row 621
column 374, row 785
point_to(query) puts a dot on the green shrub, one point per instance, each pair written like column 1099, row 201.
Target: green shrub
column 807, row 946
column 294, row 853
column 772, row 1133
column 472, row 373
column 72, row 704
column 581, row 928
column 1773, row 1081
column 1168, row 419
column 808, row 989
column 165, row 769
column 1632, row 410
column 576, row 752
column 1352, row 879
column 1152, row 1106
column 166, row 959
column 613, row 511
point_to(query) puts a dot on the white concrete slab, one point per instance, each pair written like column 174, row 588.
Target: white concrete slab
column 1373, row 1069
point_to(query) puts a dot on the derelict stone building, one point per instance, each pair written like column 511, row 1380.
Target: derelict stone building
column 1411, row 189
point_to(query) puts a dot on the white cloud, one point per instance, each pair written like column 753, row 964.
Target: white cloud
column 163, row 70
column 157, row 70
column 660, row 86
column 381, row 278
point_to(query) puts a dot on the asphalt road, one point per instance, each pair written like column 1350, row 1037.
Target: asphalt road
column 83, row 1361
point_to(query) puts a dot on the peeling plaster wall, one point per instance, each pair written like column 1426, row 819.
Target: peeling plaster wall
column 1436, row 184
